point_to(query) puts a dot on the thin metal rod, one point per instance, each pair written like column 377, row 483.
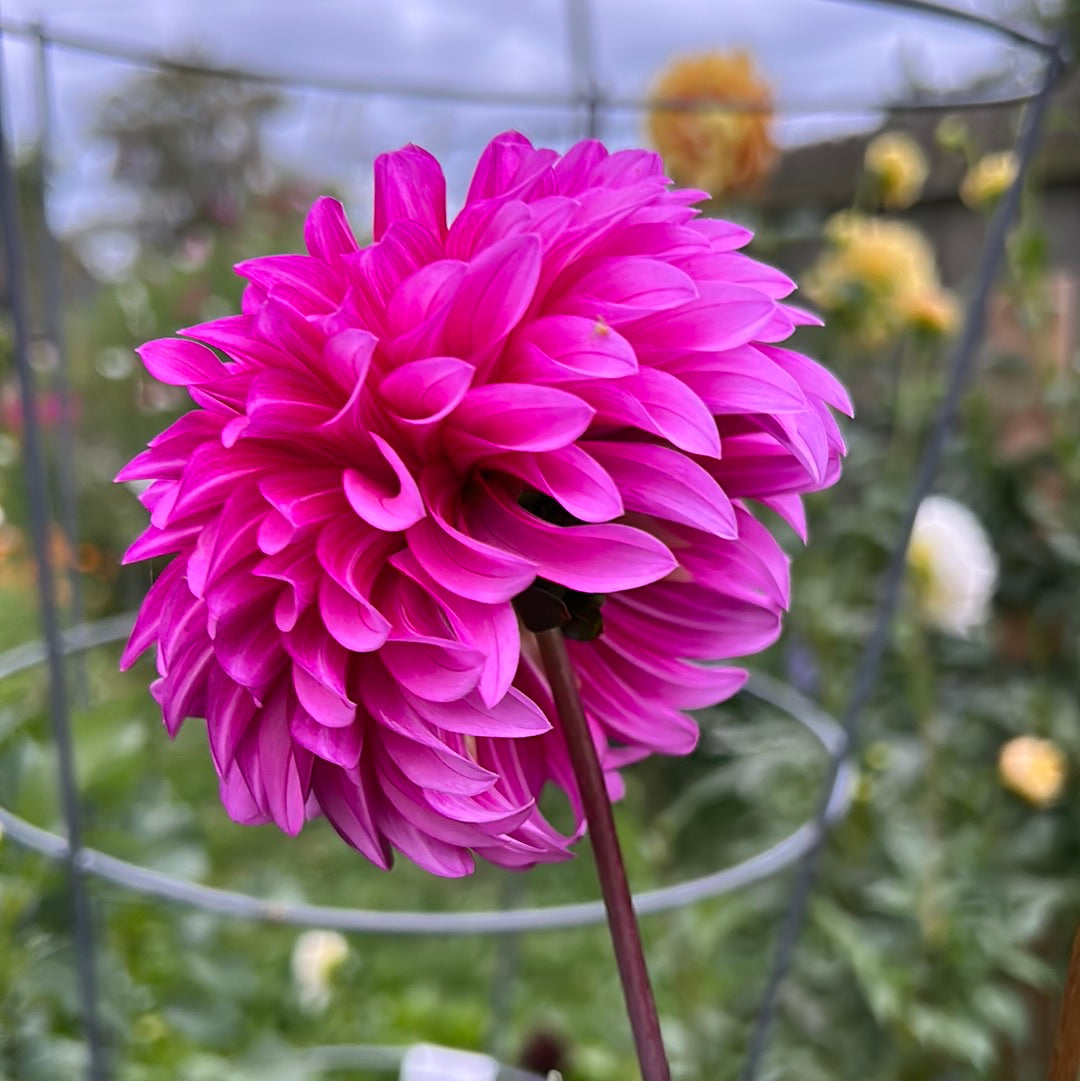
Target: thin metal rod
column 150, row 58
column 970, row 18
column 784, row 853
column 53, row 288
column 961, row 370
column 1065, row 1064
column 36, row 484
column 622, row 923
column 579, row 23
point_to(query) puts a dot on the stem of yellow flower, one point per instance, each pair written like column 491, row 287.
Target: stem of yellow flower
column 622, row 922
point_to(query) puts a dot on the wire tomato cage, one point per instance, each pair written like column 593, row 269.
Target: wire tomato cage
column 802, row 849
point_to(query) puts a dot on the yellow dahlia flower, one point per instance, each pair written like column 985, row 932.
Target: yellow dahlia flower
column 879, row 278
column 727, row 150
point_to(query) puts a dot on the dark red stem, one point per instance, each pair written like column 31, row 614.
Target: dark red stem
column 1066, row 1061
column 609, row 864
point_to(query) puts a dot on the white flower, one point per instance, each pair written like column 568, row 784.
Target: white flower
column 315, row 957
column 954, row 565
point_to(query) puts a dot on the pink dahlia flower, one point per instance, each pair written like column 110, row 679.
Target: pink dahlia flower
column 405, row 455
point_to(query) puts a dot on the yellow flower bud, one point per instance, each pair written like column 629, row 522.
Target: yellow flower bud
column 899, row 168
column 988, row 179
column 952, row 133
column 1033, row 768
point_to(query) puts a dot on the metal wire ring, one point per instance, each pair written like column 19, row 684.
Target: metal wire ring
column 231, row 903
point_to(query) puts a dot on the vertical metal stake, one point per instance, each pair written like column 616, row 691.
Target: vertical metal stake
column 53, row 286
column 583, row 62
column 37, row 492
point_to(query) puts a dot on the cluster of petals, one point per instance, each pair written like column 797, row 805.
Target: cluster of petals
column 352, row 506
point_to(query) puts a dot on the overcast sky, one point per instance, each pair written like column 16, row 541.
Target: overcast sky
column 830, row 62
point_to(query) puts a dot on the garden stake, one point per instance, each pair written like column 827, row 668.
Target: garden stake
column 640, row 1005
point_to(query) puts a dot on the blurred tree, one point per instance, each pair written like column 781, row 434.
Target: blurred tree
column 190, row 146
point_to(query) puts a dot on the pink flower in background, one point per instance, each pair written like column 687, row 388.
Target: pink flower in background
column 555, row 410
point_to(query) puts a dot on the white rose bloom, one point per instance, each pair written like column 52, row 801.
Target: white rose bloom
column 315, row 957
column 954, row 565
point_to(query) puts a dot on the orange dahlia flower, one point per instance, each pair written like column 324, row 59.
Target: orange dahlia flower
column 721, row 140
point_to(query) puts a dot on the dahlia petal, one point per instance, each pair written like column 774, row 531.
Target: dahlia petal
column 427, row 852
column 348, row 356
column 589, row 558
column 231, row 708
column 269, row 763
column 238, row 802
column 480, row 225
column 447, row 817
column 409, row 185
column 282, row 321
column 561, row 347
column 659, row 481
column 812, row 377
column 618, row 287
column 425, row 768
column 314, row 280
column 577, row 482
column 340, row 746
column 345, row 800
column 425, row 391
column 391, row 505
column 179, row 363
column 742, row 380
column 158, row 542
column 469, row 567
column 419, row 305
column 516, row 416
column 492, row 628
column 655, row 402
column 736, row 267
column 235, row 335
column 723, row 235
column 791, row 509
column 723, row 317
column 275, row 533
column 247, row 643
column 352, row 554
column 282, row 402
column 513, row 716
column 465, row 565
column 304, row 496
column 435, row 669
column 145, row 630
column 498, row 165
column 618, row 707
column 324, row 705
column 351, row 620
column 701, row 624
column 325, row 659
column 327, row 233
column 753, row 567
column 186, row 686
column 678, row 683
column 663, row 239
column 499, row 282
